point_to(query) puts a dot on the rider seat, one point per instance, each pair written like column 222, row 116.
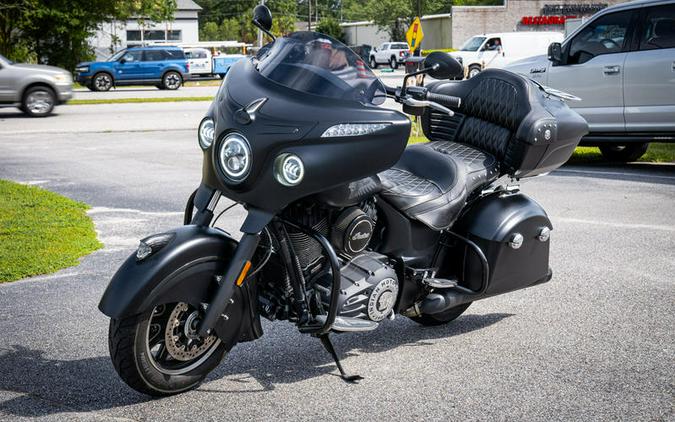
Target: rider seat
column 431, row 182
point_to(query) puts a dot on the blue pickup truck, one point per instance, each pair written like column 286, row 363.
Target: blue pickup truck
column 163, row 67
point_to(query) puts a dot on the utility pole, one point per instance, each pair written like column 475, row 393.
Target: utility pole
column 316, row 10
column 260, row 34
column 309, row 15
column 418, row 51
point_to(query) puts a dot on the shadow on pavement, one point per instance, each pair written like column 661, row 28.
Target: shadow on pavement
column 52, row 386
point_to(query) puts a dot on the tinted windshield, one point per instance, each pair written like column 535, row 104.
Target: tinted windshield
column 115, row 57
column 318, row 64
column 473, row 44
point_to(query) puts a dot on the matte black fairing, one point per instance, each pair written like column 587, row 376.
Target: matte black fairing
column 293, row 122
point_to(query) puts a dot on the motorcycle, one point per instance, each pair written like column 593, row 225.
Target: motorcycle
column 346, row 225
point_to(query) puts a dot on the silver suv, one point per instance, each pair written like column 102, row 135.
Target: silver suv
column 621, row 63
column 34, row 88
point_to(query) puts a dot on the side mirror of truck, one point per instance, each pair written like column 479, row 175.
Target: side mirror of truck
column 555, row 53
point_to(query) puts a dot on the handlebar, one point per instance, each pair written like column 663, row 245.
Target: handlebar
column 446, row 100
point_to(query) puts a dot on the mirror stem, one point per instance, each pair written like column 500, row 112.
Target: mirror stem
column 255, row 22
column 419, row 72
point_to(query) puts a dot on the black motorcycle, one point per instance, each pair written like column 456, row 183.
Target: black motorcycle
column 346, row 225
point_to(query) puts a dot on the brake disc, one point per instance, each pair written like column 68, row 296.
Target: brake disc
column 180, row 335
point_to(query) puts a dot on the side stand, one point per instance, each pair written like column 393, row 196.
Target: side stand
column 328, row 345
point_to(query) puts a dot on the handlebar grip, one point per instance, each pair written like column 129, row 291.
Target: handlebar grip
column 445, row 100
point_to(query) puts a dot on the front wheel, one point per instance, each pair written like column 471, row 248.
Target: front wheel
column 38, row 101
column 443, row 317
column 159, row 353
column 624, row 153
column 373, row 63
column 474, row 70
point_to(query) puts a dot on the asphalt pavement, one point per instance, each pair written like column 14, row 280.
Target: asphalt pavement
column 596, row 343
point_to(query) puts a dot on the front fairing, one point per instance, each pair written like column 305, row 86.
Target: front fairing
column 293, row 122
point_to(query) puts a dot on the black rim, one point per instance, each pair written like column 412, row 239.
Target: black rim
column 173, row 346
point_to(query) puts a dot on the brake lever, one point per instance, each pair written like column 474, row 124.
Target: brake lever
column 424, row 103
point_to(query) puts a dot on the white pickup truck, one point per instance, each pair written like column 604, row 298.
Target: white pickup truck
column 393, row 53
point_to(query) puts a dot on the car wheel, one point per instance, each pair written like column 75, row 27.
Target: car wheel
column 624, row 153
column 172, row 80
column 393, row 63
column 373, row 63
column 102, row 82
column 38, row 101
column 474, row 70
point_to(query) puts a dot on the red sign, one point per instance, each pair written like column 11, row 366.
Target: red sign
column 545, row 20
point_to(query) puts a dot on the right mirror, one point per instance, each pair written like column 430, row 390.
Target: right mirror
column 555, row 53
column 443, row 66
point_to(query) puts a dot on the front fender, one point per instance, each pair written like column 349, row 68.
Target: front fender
column 170, row 274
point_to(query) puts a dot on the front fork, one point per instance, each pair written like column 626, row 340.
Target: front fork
column 206, row 200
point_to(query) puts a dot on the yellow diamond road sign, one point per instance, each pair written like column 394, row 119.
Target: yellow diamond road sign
column 414, row 35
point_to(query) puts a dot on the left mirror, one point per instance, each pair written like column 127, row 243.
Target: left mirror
column 262, row 17
column 442, row 66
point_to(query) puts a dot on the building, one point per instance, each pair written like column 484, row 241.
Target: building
column 113, row 36
column 453, row 29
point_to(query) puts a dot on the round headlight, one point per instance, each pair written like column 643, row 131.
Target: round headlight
column 207, row 130
column 235, row 157
column 289, row 169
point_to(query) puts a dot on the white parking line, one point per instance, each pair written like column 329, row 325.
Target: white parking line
column 615, row 173
column 613, row 224
column 106, row 210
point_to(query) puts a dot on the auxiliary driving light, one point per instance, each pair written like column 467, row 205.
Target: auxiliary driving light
column 235, row 157
column 353, row 129
column 206, row 133
column 289, row 169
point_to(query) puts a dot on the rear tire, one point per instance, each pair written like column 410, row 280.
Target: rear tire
column 624, row 153
column 373, row 63
column 172, row 80
column 129, row 341
column 393, row 63
column 443, row 317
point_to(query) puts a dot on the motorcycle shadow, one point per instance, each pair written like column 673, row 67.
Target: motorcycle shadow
column 284, row 356
column 35, row 385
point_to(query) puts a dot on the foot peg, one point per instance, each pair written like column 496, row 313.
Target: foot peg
column 349, row 325
column 328, row 345
column 440, row 283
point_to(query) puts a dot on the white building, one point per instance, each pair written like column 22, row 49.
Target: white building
column 113, row 36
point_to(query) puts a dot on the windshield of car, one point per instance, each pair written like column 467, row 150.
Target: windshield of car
column 318, row 64
column 5, row 59
column 115, row 57
column 473, row 44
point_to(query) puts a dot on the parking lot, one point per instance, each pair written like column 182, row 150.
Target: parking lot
column 595, row 343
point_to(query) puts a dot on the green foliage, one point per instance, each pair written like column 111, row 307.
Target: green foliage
column 330, row 26
column 442, row 50
column 56, row 32
column 40, row 231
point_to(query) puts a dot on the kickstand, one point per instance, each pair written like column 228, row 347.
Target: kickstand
column 325, row 340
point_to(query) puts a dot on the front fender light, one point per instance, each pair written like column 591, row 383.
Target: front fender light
column 353, row 129
column 206, row 132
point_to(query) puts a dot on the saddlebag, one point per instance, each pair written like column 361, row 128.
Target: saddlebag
column 512, row 231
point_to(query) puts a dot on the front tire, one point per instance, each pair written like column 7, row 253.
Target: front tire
column 172, row 80
column 38, row 101
column 153, row 353
column 373, row 63
column 102, row 82
column 443, row 317
column 473, row 71
column 624, row 153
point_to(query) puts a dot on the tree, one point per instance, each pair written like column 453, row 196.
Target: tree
column 331, row 27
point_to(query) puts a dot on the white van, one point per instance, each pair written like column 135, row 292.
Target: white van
column 500, row 49
column 200, row 61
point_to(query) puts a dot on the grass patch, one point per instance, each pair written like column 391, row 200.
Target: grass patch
column 41, row 231
column 138, row 100
column 657, row 153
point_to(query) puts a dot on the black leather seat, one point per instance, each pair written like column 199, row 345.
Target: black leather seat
column 431, row 182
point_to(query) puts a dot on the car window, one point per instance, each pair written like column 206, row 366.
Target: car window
column 133, row 56
column 174, row 55
column 473, row 44
column 385, row 46
column 658, row 29
column 605, row 35
column 493, row 44
column 154, row 55
column 400, row 46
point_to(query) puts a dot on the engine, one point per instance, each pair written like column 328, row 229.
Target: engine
column 369, row 286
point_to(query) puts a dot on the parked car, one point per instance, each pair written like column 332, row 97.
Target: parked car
column 35, row 89
column 393, row 53
column 164, row 67
column 621, row 63
column 363, row 51
column 497, row 50
column 200, row 61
